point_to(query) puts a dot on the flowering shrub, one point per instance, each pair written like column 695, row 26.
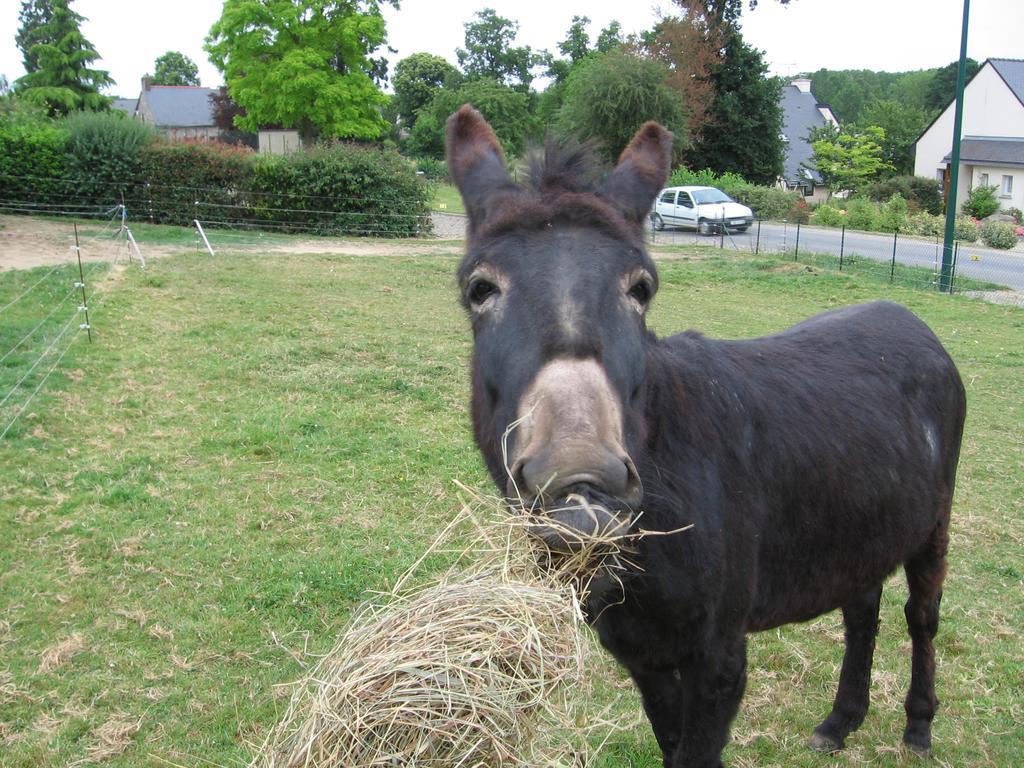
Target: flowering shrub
column 998, row 234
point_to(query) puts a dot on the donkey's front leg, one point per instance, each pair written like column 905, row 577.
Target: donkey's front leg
column 713, row 684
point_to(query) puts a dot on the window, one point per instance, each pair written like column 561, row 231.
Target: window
column 983, row 180
column 669, row 197
column 684, row 199
column 1007, row 190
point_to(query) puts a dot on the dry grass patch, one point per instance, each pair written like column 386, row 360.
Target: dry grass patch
column 110, row 739
column 59, row 654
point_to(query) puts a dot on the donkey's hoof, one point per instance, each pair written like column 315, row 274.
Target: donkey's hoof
column 821, row 743
column 920, row 750
column 918, row 741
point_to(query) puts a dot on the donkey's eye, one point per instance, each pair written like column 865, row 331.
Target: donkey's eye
column 641, row 292
column 479, row 291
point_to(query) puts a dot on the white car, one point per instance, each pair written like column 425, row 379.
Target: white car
column 706, row 209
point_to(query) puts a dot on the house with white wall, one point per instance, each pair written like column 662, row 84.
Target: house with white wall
column 992, row 143
column 801, row 112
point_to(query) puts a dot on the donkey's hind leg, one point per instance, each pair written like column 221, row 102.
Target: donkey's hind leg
column 851, row 703
column 925, row 573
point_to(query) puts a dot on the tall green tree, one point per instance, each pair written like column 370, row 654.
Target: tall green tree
column 743, row 132
column 33, row 19
column 942, row 88
column 506, row 109
column 489, row 52
column 417, row 79
column 902, row 125
column 302, row 64
column 63, row 81
column 848, row 160
column 174, row 68
column 610, row 95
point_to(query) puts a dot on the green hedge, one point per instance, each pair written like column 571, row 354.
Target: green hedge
column 105, row 154
column 33, row 162
column 766, row 202
column 93, row 161
column 175, row 175
column 345, row 188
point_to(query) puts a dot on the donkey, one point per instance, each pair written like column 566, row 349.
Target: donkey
column 810, row 463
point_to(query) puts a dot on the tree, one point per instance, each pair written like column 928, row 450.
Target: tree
column 902, row 125
column 689, row 47
column 847, row 161
column 576, row 45
column 743, row 132
column 505, row 108
column 489, row 52
column 302, row 64
column 33, row 19
column 417, row 79
column 942, row 88
column 610, row 38
column 174, row 68
column 611, row 94
column 62, row 80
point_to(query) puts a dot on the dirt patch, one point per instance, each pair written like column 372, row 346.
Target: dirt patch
column 27, row 242
column 1012, row 298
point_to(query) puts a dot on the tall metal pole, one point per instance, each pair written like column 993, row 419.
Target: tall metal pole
column 954, row 178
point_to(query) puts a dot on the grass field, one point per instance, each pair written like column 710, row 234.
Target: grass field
column 253, row 442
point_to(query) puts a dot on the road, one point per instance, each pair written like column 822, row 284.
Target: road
column 1000, row 267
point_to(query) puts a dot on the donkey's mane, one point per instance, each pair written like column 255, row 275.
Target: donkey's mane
column 563, row 185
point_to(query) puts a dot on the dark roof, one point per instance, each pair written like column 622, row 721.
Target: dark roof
column 980, row 150
column 799, row 114
column 125, row 105
column 179, row 106
column 1012, row 72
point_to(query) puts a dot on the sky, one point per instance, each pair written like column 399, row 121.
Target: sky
column 882, row 35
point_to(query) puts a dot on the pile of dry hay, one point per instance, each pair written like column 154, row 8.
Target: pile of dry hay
column 482, row 667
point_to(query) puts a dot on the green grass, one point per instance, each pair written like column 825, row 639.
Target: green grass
column 254, row 442
column 446, row 198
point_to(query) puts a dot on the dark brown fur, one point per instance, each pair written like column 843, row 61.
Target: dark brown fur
column 810, row 464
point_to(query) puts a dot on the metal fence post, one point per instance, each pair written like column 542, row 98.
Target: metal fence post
column 952, row 267
column 757, row 243
column 796, row 250
column 892, row 268
column 842, row 246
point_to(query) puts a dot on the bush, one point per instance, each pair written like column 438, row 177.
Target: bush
column 926, row 225
column 861, row 213
column 685, row 177
column 176, row 171
column 1017, row 214
column 342, row 188
column 828, row 216
column 920, row 192
column 33, row 158
column 981, row 202
column 767, row 202
column 999, row 234
column 893, row 214
column 966, row 229
column 799, row 211
column 433, row 169
column 105, row 154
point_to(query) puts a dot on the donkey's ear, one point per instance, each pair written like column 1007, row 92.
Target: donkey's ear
column 476, row 164
column 641, row 172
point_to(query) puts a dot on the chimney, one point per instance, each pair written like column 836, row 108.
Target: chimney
column 146, row 83
column 803, row 84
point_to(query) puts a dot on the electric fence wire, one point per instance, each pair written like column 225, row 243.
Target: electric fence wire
column 97, row 299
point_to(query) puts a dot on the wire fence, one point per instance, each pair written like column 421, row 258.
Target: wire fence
column 45, row 310
column 180, row 205
column 899, row 258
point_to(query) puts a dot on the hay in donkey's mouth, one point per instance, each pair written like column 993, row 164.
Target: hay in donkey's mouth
column 482, row 667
